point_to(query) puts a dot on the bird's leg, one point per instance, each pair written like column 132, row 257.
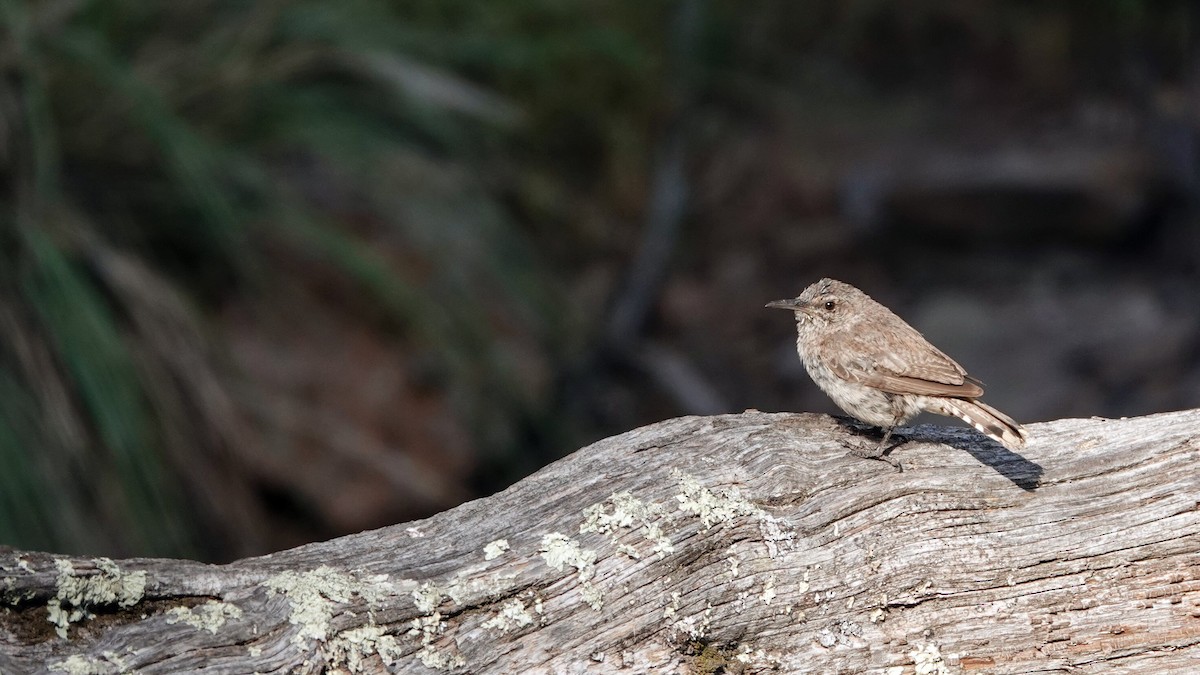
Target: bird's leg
column 881, row 451
column 887, row 435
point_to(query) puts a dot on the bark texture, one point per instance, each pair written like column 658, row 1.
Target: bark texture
column 737, row 543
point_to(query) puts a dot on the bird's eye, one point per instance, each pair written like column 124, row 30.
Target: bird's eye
column 829, row 304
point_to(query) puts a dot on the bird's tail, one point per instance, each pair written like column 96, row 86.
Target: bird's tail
column 986, row 419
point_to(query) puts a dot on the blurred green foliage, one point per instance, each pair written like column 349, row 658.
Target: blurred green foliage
column 151, row 154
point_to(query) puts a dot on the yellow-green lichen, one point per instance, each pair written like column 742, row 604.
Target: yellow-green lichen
column 427, row 597
column 624, row 511
column 77, row 593
column 430, row 627
column 512, row 615
column 712, row 508
column 350, row 648
column 313, row 594
column 470, row 585
column 495, row 549
column 559, row 550
column 108, row 663
column 78, row 665
column 715, row 508
column 210, row 616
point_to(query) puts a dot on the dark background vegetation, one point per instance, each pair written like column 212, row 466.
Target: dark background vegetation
column 276, row 271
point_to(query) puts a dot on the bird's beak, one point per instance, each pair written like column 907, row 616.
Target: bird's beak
column 791, row 304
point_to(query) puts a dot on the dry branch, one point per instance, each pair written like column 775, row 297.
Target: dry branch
column 736, row 543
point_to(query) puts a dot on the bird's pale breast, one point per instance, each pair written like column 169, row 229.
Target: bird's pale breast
column 865, row 403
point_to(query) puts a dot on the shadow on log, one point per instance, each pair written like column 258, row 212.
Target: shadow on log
column 738, row 543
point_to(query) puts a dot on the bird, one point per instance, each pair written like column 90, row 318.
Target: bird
column 882, row 371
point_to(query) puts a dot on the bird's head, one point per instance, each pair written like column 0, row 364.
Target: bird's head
column 827, row 302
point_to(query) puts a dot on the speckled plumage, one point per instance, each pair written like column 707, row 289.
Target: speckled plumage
column 881, row 370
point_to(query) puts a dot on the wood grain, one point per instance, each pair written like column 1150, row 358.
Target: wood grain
column 736, row 543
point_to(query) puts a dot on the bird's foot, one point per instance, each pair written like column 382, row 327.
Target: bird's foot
column 880, row 451
column 881, row 455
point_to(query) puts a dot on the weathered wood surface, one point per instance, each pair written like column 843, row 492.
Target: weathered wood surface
column 750, row 542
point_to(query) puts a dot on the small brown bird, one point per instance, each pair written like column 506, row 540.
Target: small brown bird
column 881, row 370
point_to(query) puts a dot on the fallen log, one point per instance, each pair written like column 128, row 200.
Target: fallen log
column 735, row 543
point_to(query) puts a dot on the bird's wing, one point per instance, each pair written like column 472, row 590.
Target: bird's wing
column 920, row 368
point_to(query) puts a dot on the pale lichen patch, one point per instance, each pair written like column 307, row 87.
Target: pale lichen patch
column 427, row 597
column 428, row 628
column 109, row 663
column 313, row 594
column 927, row 660
column 210, row 616
column 559, row 550
column 849, row 632
column 757, row 657
column 495, row 549
column 662, row 543
column 712, row 508
column 470, row 585
column 673, row 607
column 715, row 508
column 591, row 595
column 624, row 511
column 695, row 627
column 512, row 615
column 77, row 593
column 350, row 648
column 78, row 665
column 769, row 593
